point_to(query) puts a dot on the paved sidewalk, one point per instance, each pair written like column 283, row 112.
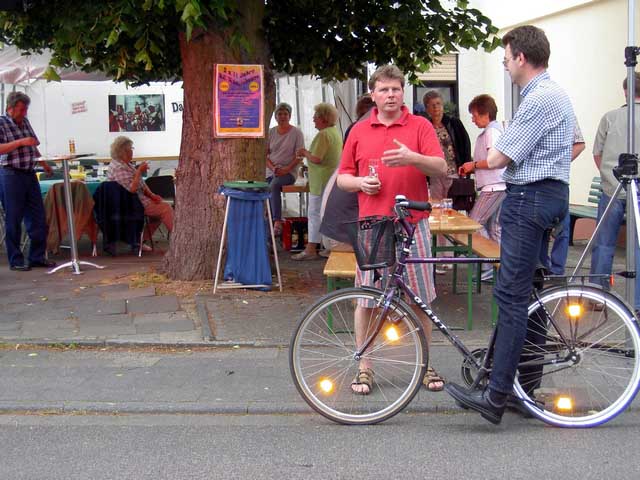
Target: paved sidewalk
column 127, row 303
column 123, row 303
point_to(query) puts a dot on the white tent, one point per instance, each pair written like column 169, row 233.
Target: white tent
column 17, row 68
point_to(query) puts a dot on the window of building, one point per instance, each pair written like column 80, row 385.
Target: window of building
column 443, row 78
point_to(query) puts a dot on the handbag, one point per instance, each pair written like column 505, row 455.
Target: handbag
column 463, row 193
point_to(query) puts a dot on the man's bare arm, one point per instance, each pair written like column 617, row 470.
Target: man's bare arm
column 497, row 159
column 21, row 142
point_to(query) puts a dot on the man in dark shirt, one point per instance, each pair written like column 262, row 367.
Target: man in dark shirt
column 19, row 189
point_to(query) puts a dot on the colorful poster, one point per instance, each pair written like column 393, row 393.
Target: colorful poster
column 239, row 101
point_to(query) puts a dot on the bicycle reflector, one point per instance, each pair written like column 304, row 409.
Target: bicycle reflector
column 392, row 334
column 564, row 403
column 326, row 385
column 574, row 310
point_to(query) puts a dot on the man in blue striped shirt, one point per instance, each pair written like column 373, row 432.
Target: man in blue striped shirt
column 536, row 151
column 19, row 189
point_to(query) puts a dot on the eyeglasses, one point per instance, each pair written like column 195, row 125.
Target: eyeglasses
column 505, row 60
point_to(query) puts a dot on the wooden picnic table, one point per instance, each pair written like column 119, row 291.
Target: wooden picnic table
column 455, row 223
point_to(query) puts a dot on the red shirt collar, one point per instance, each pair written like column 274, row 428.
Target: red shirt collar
column 401, row 120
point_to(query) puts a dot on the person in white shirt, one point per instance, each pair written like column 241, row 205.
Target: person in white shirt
column 489, row 183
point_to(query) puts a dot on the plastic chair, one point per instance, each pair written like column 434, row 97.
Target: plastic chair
column 57, row 175
column 88, row 162
column 119, row 214
column 164, row 186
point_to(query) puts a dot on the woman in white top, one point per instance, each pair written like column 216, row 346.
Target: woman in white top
column 489, row 183
column 284, row 140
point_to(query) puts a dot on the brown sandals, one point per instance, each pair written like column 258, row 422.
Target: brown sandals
column 363, row 377
column 432, row 381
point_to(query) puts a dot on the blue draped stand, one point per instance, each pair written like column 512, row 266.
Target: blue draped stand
column 247, row 262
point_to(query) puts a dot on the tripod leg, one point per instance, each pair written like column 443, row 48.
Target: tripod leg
column 589, row 246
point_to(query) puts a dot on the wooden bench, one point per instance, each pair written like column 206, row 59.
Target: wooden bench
column 482, row 247
column 576, row 212
column 340, row 270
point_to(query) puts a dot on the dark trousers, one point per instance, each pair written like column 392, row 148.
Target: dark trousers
column 22, row 201
column 276, row 193
column 527, row 212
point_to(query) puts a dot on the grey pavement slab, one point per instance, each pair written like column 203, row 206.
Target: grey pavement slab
column 177, row 326
column 163, row 322
column 9, row 318
column 166, row 303
column 106, row 330
column 265, row 317
column 158, row 318
column 124, row 294
column 117, row 319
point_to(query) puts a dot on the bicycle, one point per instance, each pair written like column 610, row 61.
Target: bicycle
column 579, row 367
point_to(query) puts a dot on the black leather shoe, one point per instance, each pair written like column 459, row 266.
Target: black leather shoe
column 516, row 405
column 43, row 264
column 20, row 268
column 477, row 400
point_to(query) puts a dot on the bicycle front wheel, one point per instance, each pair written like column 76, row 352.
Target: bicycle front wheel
column 580, row 364
column 323, row 364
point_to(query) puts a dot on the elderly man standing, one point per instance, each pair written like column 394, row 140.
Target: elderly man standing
column 536, row 149
column 19, row 189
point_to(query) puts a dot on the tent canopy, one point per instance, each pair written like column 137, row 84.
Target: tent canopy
column 18, row 68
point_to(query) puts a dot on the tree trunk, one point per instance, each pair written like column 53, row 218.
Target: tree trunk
column 206, row 162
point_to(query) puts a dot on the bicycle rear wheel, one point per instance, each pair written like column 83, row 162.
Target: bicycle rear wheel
column 580, row 363
column 322, row 362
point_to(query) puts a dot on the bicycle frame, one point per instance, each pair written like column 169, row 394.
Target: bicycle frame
column 397, row 285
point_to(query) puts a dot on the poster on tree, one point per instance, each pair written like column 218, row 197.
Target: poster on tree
column 239, row 101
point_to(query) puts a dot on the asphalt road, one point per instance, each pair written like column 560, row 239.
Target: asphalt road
column 459, row 445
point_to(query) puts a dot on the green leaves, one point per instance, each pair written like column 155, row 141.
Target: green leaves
column 138, row 41
column 333, row 39
column 50, row 75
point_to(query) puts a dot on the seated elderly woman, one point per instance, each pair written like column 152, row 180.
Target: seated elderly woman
column 284, row 140
column 121, row 170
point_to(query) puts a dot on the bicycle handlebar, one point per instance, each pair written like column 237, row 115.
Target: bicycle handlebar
column 401, row 201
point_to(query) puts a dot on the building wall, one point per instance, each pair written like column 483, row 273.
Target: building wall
column 587, row 40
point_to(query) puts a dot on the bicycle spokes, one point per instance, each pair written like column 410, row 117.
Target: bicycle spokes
column 578, row 366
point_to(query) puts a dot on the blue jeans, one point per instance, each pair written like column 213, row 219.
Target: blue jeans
column 560, row 250
column 275, row 201
column 605, row 243
column 527, row 212
column 22, row 200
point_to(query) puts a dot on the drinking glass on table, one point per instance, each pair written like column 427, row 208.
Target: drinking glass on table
column 447, row 206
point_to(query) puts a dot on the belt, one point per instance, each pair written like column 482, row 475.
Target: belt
column 18, row 170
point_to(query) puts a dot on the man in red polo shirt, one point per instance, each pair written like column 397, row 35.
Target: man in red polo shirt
column 404, row 150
